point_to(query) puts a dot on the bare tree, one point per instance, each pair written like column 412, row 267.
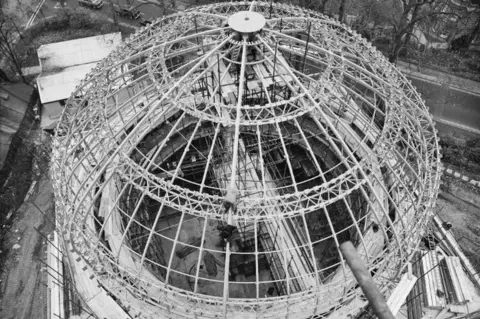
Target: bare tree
column 341, row 10
column 317, row 5
column 406, row 14
column 9, row 36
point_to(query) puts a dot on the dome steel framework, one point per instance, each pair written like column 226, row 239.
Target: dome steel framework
column 214, row 162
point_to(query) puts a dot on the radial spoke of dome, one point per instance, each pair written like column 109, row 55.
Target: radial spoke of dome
column 147, row 116
column 212, row 15
column 77, row 164
column 210, row 157
column 200, row 252
column 330, row 53
column 252, row 6
column 185, row 151
column 273, row 64
column 130, row 101
column 260, row 160
column 180, row 52
column 222, row 76
column 407, row 163
column 376, row 90
column 287, row 158
column 77, row 137
column 359, row 95
column 155, row 48
column 124, row 110
column 151, row 160
column 209, row 67
column 284, row 78
column 359, row 232
column 151, row 234
column 310, row 247
column 284, row 253
column 265, row 89
column 236, row 144
column 86, row 194
column 257, row 272
column 373, row 210
column 131, row 220
column 312, row 100
column 310, row 150
column 364, row 176
column 108, row 215
column 341, row 141
column 401, row 180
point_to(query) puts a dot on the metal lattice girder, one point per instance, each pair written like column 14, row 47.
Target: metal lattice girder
column 203, row 171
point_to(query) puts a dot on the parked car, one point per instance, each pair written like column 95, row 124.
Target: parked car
column 94, row 4
column 127, row 12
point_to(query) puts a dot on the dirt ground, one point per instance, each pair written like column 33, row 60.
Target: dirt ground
column 23, row 290
column 22, row 251
column 459, row 205
column 23, row 293
column 459, row 202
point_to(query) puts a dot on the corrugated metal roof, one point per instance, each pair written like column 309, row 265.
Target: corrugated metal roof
column 65, row 64
column 64, row 54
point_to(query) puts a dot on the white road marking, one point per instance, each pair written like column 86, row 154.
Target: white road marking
column 457, row 125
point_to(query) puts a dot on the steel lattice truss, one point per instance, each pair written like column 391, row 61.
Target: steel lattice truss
column 300, row 136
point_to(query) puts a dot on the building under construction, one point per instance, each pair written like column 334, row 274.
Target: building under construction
column 211, row 166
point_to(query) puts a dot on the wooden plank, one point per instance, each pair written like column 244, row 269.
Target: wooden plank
column 455, row 281
column 451, row 295
column 443, row 313
column 399, row 295
column 468, row 290
column 466, row 308
column 452, row 243
column 427, row 280
column 433, row 281
column 262, row 74
column 414, row 299
column 438, row 279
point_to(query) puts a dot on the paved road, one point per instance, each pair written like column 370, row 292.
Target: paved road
column 449, row 105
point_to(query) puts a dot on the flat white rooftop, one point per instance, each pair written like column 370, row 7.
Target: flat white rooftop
column 65, row 64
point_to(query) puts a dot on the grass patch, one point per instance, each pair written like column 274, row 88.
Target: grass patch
column 464, row 64
column 463, row 154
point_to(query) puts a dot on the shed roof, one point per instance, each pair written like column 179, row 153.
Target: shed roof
column 64, row 54
column 60, row 85
column 65, row 64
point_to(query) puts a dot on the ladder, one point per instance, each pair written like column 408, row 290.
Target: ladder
column 235, row 52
